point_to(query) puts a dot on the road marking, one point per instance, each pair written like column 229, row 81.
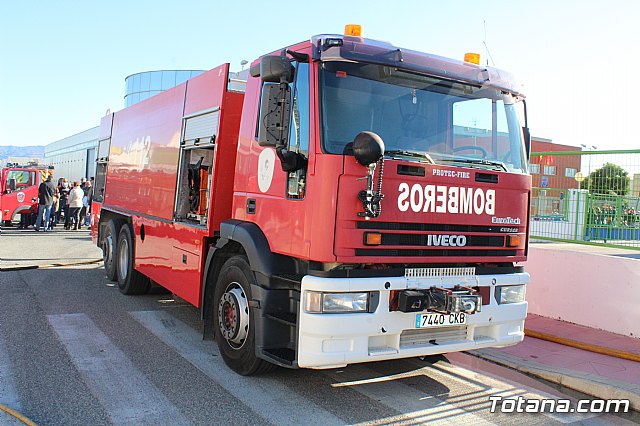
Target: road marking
column 410, row 402
column 503, row 387
column 123, row 390
column 266, row 396
column 8, row 393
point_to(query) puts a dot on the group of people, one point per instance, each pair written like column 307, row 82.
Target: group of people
column 610, row 216
column 73, row 201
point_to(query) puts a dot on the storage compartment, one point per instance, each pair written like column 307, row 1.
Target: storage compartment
column 195, row 173
column 194, row 185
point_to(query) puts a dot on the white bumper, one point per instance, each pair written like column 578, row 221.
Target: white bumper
column 335, row 340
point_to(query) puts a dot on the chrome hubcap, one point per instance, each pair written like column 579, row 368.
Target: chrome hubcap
column 123, row 259
column 107, row 249
column 233, row 316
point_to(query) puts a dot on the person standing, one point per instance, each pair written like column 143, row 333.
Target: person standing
column 75, row 204
column 54, row 211
column 84, row 185
column 46, row 191
column 86, row 202
column 64, row 189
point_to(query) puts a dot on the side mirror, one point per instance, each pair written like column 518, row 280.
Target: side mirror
column 12, row 184
column 368, row 148
column 273, row 129
column 527, row 141
column 276, row 69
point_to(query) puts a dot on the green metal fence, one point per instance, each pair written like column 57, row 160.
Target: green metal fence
column 586, row 196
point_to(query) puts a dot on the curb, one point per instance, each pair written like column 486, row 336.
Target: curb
column 586, row 383
column 16, row 415
column 49, row 265
column 617, row 353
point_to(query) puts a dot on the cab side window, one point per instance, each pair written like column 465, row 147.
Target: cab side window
column 299, row 129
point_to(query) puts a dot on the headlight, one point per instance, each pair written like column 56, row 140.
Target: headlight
column 335, row 303
column 510, row 294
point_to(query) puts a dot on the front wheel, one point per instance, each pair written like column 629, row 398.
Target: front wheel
column 234, row 322
column 130, row 281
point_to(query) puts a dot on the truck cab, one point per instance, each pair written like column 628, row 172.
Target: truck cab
column 396, row 183
column 18, row 191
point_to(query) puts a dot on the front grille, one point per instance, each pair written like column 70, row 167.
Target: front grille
column 434, row 336
column 421, row 240
column 442, row 227
column 433, row 252
column 439, row 272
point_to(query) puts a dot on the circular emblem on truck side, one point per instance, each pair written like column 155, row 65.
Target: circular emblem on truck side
column 266, row 162
column 20, row 197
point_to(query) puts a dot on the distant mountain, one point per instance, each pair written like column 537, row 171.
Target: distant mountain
column 21, row 151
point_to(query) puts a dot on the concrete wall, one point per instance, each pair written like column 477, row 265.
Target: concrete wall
column 594, row 290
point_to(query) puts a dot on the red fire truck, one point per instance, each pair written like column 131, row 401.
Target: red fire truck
column 354, row 202
column 19, row 189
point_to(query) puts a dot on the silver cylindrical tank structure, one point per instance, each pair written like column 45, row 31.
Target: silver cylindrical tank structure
column 143, row 85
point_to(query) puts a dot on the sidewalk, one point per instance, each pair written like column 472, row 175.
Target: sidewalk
column 597, row 374
column 27, row 249
column 586, row 248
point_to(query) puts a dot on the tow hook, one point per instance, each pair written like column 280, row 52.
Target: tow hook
column 443, row 300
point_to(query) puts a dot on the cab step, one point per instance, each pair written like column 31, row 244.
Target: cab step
column 282, row 356
column 286, row 318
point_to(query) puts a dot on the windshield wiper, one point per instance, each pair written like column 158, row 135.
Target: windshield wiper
column 412, row 154
column 480, row 161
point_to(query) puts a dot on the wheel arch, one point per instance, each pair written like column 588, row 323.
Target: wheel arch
column 105, row 216
column 19, row 210
column 244, row 238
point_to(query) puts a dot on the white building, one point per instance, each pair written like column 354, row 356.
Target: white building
column 74, row 157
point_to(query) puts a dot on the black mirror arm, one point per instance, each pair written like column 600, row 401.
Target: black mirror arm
column 526, row 132
column 289, row 160
column 299, row 57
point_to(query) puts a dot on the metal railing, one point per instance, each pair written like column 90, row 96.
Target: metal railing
column 586, row 196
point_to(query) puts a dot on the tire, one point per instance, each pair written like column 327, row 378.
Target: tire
column 130, row 281
column 233, row 320
column 109, row 245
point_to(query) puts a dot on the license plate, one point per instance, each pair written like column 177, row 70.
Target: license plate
column 440, row 320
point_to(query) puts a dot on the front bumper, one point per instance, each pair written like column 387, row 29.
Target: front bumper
column 335, row 340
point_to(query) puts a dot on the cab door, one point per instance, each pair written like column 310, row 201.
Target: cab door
column 276, row 200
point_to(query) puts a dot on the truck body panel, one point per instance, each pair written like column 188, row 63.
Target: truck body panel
column 142, row 176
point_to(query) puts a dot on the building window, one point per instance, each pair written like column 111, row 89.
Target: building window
column 534, row 169
column 570, row 172
column 550, row 170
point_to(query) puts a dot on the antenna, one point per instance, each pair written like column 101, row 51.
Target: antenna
column 485, row 45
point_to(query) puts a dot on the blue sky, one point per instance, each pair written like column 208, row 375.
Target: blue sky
column 63, row 63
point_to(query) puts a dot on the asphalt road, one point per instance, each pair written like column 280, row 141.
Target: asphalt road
column 74, row 351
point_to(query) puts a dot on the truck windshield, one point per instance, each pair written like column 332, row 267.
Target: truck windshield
column 22, row 178
column 443, row 121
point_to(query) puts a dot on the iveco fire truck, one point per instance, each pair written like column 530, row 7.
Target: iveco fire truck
column 19, row 189
column 353, row 202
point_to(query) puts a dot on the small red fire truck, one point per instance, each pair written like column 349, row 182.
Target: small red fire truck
column 19, row 189
column 353, row 202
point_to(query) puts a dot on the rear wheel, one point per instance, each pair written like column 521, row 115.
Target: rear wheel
column 109, row 250
column 130, row 281
column 234, row 323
